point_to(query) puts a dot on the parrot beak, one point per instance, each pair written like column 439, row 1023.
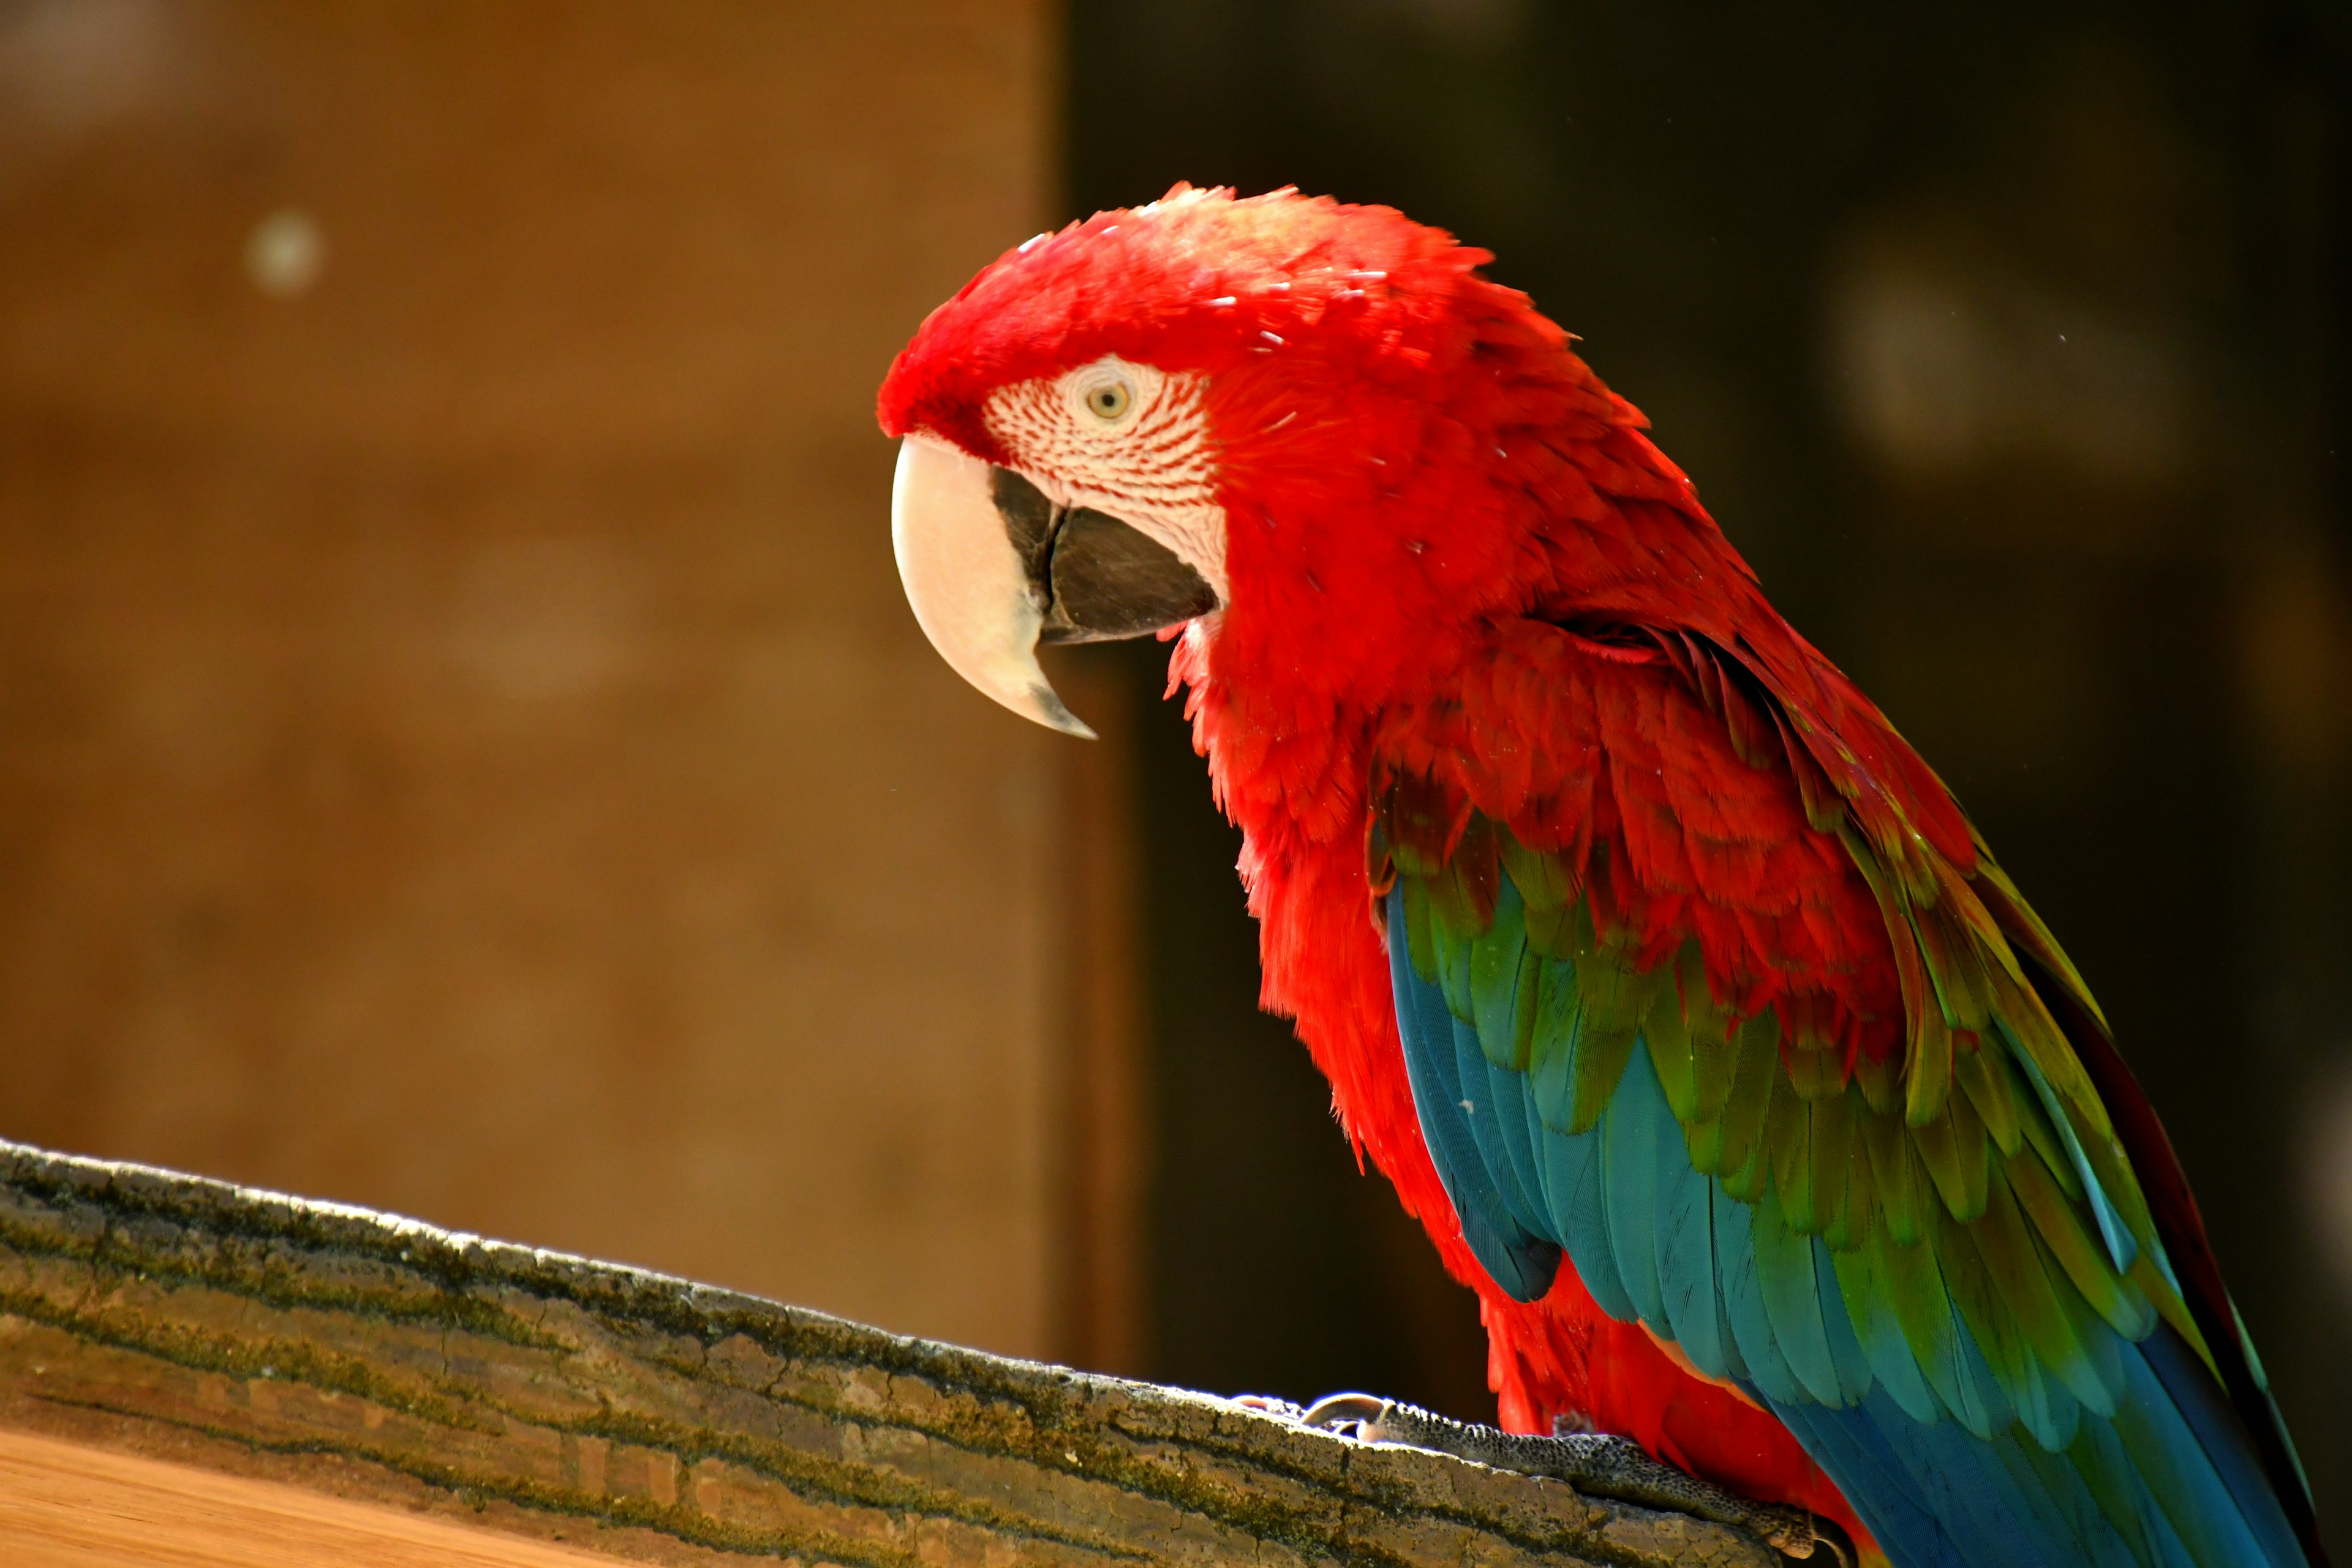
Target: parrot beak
column 993, row 568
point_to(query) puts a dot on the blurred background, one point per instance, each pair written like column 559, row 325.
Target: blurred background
column 463, row 749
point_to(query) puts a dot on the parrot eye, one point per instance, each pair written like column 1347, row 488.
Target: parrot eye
column 1107, row 400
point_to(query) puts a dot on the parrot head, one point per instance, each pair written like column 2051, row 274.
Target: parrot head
column 1312, row 425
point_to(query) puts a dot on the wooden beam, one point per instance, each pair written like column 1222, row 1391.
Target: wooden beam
column 220, row 1358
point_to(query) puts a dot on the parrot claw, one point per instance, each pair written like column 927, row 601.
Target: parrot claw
column 1594, row 1463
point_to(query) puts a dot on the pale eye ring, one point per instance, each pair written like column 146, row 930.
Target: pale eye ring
column 1109, row 401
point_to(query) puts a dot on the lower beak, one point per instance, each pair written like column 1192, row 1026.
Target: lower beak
column 992, row 569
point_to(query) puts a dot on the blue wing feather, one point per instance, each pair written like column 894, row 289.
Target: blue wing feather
column 1629, row 1185
column 2218, row 1483
column 1493, row 1100
column 1879, row 1333
column 1685, row 1260
column 1915, row 1428
column 1792, row 1300
column 1581, row 1218
column 1852, row 1367
column 1743, row 1299
column 1522, row 1263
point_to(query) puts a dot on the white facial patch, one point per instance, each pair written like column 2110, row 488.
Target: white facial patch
column 1126, row 439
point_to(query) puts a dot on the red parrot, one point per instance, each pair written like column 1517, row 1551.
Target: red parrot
column 1672, row 991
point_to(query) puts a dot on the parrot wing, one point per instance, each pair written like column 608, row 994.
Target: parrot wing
column 1684, row 996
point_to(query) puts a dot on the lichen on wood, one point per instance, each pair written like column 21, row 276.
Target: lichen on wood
column 645, row 1418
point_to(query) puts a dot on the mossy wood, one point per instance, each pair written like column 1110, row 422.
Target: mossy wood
column 534, row 1399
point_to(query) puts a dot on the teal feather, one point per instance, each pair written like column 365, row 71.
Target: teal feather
column 1452, row 953
column 1686, row 1261
column 1572, row 1184
column 1502, row 971
column 2049, row 1410
column 2183, row 1436
column 1559, row 1020
column 2123, row 1247
column 2103, row 1356
column 1743, row 1300
column 2122, row 1499
column 1501, row 1124
column 1984, row 1409
column 2066, row 1507
column 1852, row 1367
column 1863, row 1288
column 1521, row 1262
column 1630, row 1130
column 1792, row 1294
column 1478, row 1115
column 1915, row 1291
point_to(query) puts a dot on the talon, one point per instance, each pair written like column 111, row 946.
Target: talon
column 1335, row 1411
column 1807, row 1532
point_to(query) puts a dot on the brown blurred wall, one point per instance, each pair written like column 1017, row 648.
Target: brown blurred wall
column 462, row 746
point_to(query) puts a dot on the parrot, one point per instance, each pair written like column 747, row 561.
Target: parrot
column 1789, row 1157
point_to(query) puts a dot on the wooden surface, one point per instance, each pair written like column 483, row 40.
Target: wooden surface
column 463, row 745
column 435, row 1382
column 67, row 1505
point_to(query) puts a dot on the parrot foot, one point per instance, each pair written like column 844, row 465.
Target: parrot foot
column 1594, row 1463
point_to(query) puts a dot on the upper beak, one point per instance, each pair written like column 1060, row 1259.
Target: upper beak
column 992, row 568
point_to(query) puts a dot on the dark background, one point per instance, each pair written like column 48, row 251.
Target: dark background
column 2007, row 341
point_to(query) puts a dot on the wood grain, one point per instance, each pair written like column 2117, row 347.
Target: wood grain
column 538, row 1400
column 64, row 1505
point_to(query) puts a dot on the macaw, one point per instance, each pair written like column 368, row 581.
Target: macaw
column 1672, row 991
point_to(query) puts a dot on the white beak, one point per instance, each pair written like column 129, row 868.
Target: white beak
column 970, row 588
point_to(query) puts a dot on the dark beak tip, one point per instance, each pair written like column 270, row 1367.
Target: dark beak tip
column 1058, row 712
